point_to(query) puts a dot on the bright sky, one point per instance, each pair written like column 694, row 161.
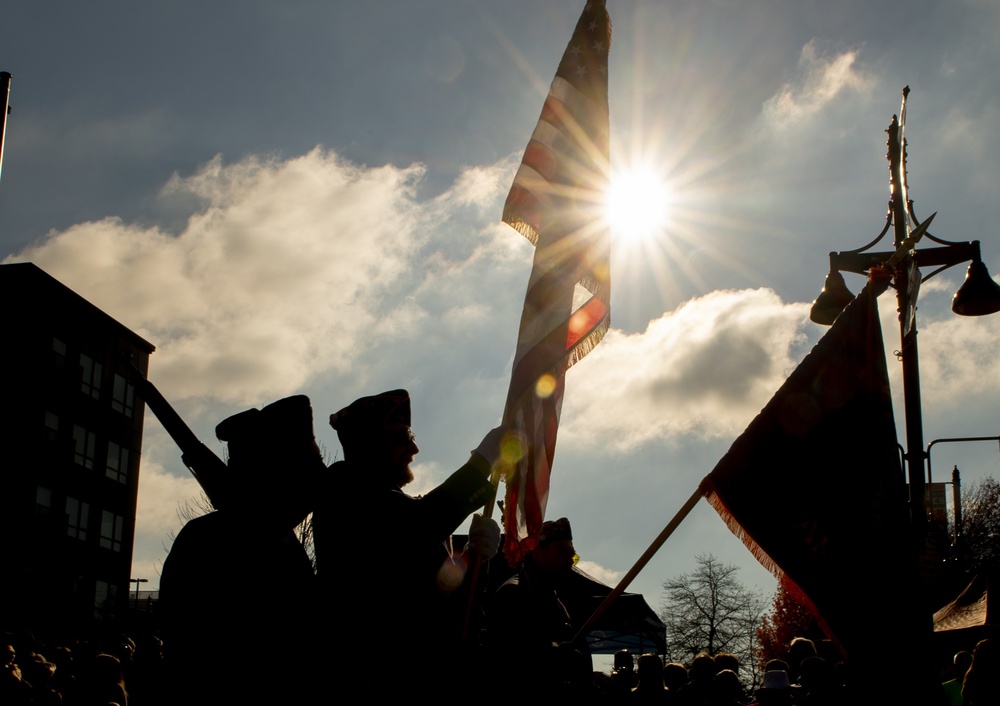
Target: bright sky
column 305, row 198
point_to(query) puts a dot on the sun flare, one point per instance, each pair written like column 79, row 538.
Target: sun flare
column 638, row 204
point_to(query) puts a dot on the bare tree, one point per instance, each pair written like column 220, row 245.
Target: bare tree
column 981, row 525
column 710, row 610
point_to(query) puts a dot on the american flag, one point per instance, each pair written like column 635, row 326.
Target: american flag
column 555, row 202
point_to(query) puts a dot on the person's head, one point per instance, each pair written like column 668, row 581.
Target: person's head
column 703, row 668
column 273, row 457
column 961, row 662
column 675, row 675
column 623, row 660
column 554, row 553
column 799, row 649
column 650, row 670
column 727, row 660
column 375, row 432
column 727, row 683
column 775, row 689
column 776, row 665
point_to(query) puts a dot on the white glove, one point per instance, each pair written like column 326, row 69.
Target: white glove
column 484, row 537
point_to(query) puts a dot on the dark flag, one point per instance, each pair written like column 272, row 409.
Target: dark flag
column 555, row 202
column 815, row 488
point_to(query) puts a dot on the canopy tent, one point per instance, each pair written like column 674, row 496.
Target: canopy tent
column 975, row 607
column 628, row 624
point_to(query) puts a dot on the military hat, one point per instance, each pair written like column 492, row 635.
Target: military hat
column 555, row 531
column 279, row 426
column 363, row 416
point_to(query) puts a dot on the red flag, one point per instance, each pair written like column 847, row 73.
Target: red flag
column 555, row 202
column 815, row 489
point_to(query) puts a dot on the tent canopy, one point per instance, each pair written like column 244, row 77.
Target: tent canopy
column 973, row 608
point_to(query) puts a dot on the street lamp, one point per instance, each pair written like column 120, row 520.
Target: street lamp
column 979, row 295
column 137, row 582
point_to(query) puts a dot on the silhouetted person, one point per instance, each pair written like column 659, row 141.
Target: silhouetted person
column 238, row 592
column 385, row 559
column 675, row 676
column 776, row 689
column 623, row 677
column 649, row 689
column 530, row 629
column 698, row 691
column 960, row 664
column 982, row 682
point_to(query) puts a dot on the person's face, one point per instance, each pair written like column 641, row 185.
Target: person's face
column 555, row 557
column 400, row 447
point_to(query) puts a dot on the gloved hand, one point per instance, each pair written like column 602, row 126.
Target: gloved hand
column 484, row 537
column 489, row 447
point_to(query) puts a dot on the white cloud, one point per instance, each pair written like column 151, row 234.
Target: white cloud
column 287, row 268
column 162, row 496
column 608, row 577
column 823, row 74
column 959, row 367
column 705, row 369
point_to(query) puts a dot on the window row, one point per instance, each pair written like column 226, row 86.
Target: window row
column 85, row 449
column 92, row 377
column 78, row 520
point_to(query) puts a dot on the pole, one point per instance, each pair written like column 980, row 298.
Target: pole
column 5, row 93
column 907, row 278
column 640, row 564
column 956, row 498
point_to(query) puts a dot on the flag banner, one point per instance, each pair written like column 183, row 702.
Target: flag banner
column 815, row 488
column 556, row 202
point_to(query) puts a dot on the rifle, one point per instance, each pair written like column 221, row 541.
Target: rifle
column 208, row 469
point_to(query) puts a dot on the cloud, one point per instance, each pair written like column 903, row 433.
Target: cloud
column 706, row 369
column 285, row 268
column 609, row 577
column 959, row 367
column 163, row 494
column 822, row 76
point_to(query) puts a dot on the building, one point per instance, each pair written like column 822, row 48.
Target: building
column 71, row 438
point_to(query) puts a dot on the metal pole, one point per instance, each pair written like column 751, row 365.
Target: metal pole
column 640, row 563
column 907, row 278
column 5, row 93
column 956, row 498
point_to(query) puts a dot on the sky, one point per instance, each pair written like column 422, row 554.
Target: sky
column 305, row 197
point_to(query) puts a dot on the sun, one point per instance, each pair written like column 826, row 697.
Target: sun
column 637, row 204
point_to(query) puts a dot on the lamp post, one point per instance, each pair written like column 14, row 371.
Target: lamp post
column 978, row 295
column 137, row 582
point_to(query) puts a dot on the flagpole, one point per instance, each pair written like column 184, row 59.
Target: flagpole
column 640, row 564
column 477, row 565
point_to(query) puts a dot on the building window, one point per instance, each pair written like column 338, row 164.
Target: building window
column 43, row 500
column 77, row 515
column 90, row 375
column 85, row 446
column 111, row 531
column 123, row 396
column 117, row 462
column 105, row 595
column 51, row 426
column 58, row 353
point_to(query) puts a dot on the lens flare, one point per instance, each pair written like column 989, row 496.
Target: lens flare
column 545, row 386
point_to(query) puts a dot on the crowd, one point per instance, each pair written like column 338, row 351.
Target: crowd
column 122, row 671
column 385, row 613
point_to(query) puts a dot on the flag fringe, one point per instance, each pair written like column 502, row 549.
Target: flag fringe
column 512, row 217
column 587, row 343
column 766, row 561
column 734, row 526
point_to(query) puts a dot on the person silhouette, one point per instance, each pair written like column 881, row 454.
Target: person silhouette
column 238, row 594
